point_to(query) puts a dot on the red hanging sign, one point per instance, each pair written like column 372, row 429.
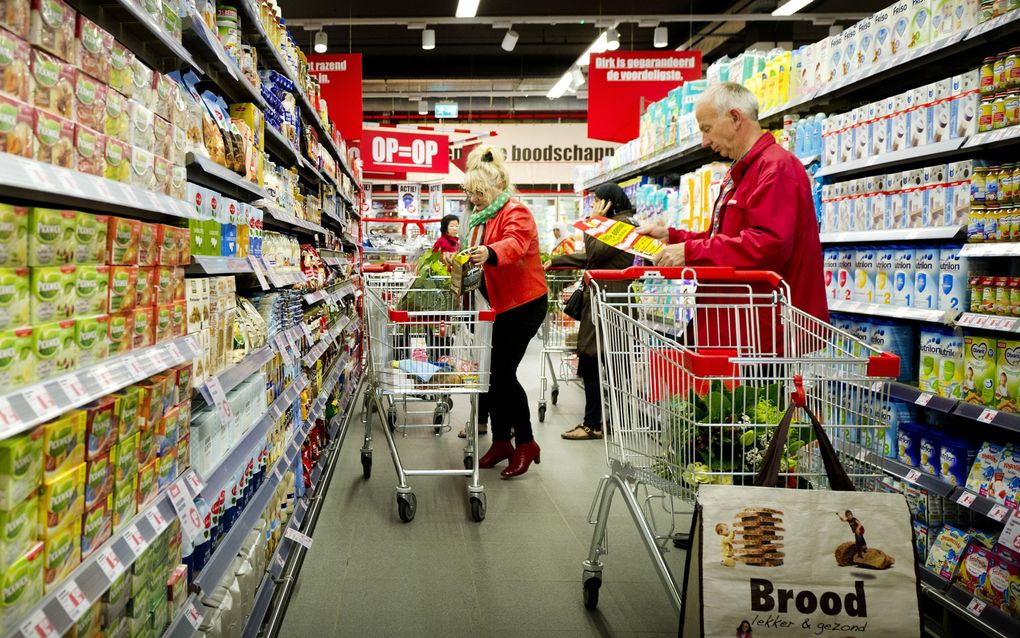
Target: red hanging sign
column 339, row 77
column 390, row 150
column 618, row 80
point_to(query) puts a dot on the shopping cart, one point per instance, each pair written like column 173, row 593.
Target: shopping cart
column 425, row 345
column 697, row 367
column 397, row 240
column 559, row 335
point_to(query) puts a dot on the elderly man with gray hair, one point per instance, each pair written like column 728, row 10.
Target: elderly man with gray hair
column 764, row 216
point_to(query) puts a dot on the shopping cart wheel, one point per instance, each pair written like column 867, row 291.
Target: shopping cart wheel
column 407, row 505
column 438, row 417
column 477, row 509
column 591, row 592
column 555, row 395
column 541, row 413
column 469, row 462
column 448, row 400
column 366, row 463
column 391, row 419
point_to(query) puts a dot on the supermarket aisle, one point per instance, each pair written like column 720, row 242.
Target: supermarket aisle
column 515, row 574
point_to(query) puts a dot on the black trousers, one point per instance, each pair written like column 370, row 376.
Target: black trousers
column 588, row 369
column 506, row 401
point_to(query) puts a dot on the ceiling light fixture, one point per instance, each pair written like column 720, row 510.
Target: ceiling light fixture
column 612, row 39
column 560, row 87
column 577, row 77
column 467, row 8
column 428, row 39
column 661, row 37
column 423, row 107
column 791, row 7
column 321, row 42
column 598, row 46
column 509, row 40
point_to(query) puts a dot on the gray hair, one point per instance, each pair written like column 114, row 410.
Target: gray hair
column 730, row 95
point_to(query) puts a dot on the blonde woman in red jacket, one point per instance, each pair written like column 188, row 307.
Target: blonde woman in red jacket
column 503, row 238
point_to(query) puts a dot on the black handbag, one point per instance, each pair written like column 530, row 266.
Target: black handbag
column 575, row 305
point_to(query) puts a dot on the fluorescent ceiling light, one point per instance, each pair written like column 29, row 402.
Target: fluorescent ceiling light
column 423, row 107
column 428, row 39
column 560, row 87
column 661, row 37
column 791, row 7
column 321, row 42
column 509, row 40
column 467, row 8
column 598, row 46
column 612, row 39
column 577, row 77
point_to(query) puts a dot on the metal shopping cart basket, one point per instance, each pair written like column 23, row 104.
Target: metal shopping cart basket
column 559, row 336
column 425, row 344
column 697, row 366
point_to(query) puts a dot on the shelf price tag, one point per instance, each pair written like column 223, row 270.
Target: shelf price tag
column 976, row 606
column 72, row 388
column 135, row 540
column 176, row 353
column 73, row 600
column 998, row 512
column 924, row 398
column 301, row 539
column 219, row 398
column 157, row 521
column 9, row 419
column 194, row 483
column 110, row 565
column 191, row 520
column 193, row 616
column 1010, row 536
column 38, row 626
column 912, row 476
column 966, row 499
column 256, row 267
column 987, row 416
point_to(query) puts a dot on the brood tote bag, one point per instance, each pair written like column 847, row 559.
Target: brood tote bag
column 800, row 562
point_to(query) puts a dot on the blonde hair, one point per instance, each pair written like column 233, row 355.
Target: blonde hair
column 486, row 171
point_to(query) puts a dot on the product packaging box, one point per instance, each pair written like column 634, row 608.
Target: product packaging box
column 148, row 249
column 13, row 236
column 99, row 474
column 90, row 238
column 17, row 530
column 100, row 426
column 21, row 467
column 63, row 443
column 147, row 487
column 51, row 236
column 146, row 447
column 124, row 505
column 145, row 327
column 122, row 330
column 123, row 238
column 1007, row 375
column 124, row 456
column 55, row 348
column 62, row 553
column 15, row 300
column 128, row 405
column 54, row 140
column 91, row 335
column 926, row 269
column 17, row 359
column 22, row 583
column 979, row 374
column 166, row 469
column 123, row 289
column 62, row 501
column 97, row 526
column 91, row 289
column 52, row 293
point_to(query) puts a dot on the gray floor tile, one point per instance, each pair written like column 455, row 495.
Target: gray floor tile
column 552, row 560
column 517, row 529
column 645, row 604
column 534, row 606
column 410, row 560
column 387, row 608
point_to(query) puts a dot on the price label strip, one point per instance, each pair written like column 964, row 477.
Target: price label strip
column 38, row 626
column 976, row 606
column 195, row 484
column 301, row 539
column 966, row 499
column 110, row 564
column 924, row 398
column 157, row 521
column 912, row 476
column 135, row 541
column 191, row 520
column 193, row 616
column 256, row 268
column 987, row 416
column 219, row 398
column 998, row 512
column 73, row 601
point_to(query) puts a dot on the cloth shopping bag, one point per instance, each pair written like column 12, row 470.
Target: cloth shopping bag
column 767, row 561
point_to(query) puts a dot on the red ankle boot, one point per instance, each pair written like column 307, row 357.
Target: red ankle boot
column 522, row 458
column 500, row 451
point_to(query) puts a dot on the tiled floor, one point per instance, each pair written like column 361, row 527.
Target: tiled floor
column 518, row 573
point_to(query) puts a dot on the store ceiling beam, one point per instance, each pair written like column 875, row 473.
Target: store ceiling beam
column 315, row 24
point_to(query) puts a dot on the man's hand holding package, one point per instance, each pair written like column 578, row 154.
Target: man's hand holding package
column 479, row 255
column 672, row 254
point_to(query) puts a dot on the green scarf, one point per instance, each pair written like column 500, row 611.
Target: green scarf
column 479, row 217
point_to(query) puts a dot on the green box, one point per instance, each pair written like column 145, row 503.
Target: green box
column 53, row 293
column 63, row 444
column 62, row 554
column 21, row 585
column 17, row 359
column 13, row 236
column 54, row 348
column 17, row 530
column 15, row 300
column 125, row 457
column 127, row 412
column 92, row 339
column 91, row 287
column 125, row 505
column 62, row 500
column 90, row 238
column 51, row 236
column 21, row 467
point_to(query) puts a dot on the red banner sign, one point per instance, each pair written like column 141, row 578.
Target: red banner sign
column 618, row 80
column 390, row 150
column 339, row 77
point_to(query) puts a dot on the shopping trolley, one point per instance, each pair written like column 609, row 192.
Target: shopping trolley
column 559, row 335
column 425, row 344
column 697, row 367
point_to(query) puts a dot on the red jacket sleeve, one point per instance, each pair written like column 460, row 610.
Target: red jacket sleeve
column 677, row 236
column 767, row 239
column 518, row 230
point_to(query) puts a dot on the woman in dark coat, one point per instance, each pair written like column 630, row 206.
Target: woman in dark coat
column 610, row 201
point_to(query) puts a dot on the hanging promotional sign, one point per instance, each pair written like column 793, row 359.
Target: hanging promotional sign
column 618, row 80
column 391, row 150
column 407, row 200
column 436, row 200
column 339, row 77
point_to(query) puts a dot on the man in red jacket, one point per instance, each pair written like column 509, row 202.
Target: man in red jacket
column 764, row 217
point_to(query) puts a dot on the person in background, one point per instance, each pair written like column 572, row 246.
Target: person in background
column 764, row 217
column 503, row 240
column 612, row 202
column 449, row 235
column 564, row 242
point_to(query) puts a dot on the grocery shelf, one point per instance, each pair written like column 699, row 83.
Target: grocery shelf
column 234, row 375
column 28, row 179
column 909, row 234
column 220, row 67
column 894, row 158
column 209, row 265
column 994, row 138
column 341, row 290
column 1005, row 420
column 913, row 394
column 309, row 172
column 278, row 146
column 689, row 154
column 280, row 218
column 992, row 249
column 980, row 504
column 26, row 407
column 990, row 619
column 205, row 172
column 989, row 322
column 895, row 312
column 318, row 349
column 316, row 297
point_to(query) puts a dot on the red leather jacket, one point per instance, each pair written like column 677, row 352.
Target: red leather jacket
column 768, row 223
column 517, row 277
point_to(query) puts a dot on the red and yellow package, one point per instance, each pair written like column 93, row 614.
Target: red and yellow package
column 164, row 285
column 146, row 447
column 146, row 287
column 179, row 291
column 147, row 488
column 121, row 332
column 100, row 426
column 123, row 289
column 167, row 246
column 183, row 246
column 164, row 324
column 145, row 327
column 148, row 250
column 122, row 240
column 178, row 318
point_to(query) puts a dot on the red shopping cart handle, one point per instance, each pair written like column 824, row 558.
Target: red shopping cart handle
column 707, row 273
column 425, row 317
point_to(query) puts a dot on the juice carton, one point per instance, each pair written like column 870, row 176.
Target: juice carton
column 123, row 238
column 91, row 335
column 124, row 456
column 13, row 236
column 53, row 293
column 63, row 443
column 97, row 526
column 55, row 348
column 979, row 373
column 100, row 426
column 148, row 246
column 127, row 412
column 51, row 236
column 864, row 275
column 122, row 330
column 123, row 290
column 17, row 360
column 1007, row 375
column 62, row 554
column 124, row 504
column 926, row 269
column 62, row 501
column 17, row 530
column 22, row 583
column 91, row 291
column 90, row 238
column 98, row 479
column 145, row 327
column 147, row 488
column 15, row 300
column 21, row 467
